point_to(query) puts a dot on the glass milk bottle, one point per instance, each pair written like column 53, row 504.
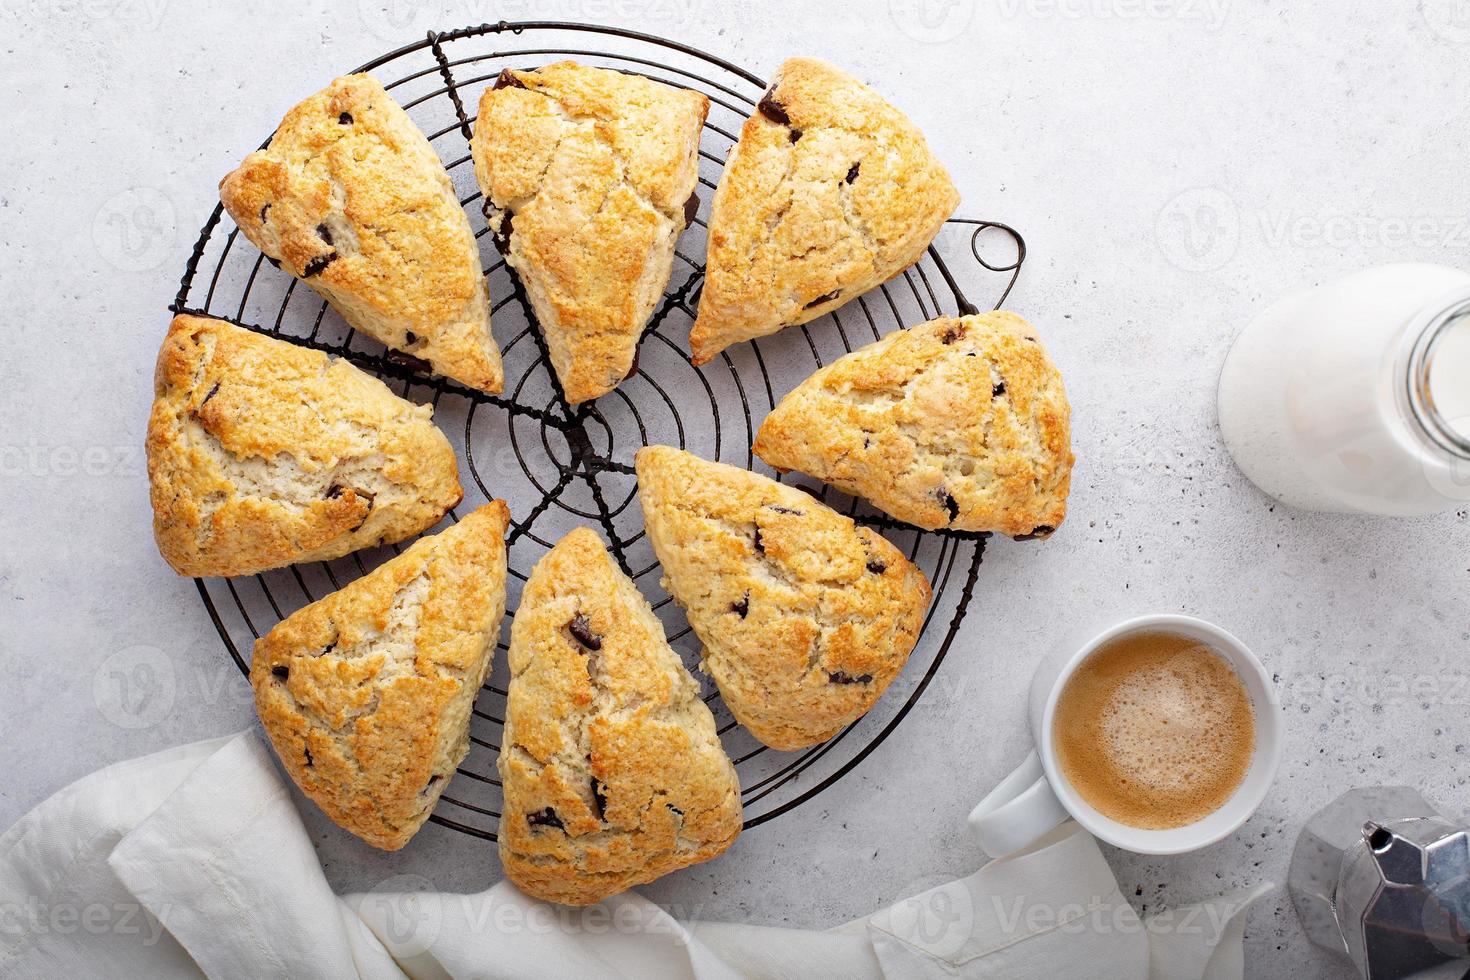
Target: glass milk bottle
column 1355, row 396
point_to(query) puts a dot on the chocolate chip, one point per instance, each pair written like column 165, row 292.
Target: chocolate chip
column 364, row 495
column 409, row 361
column 838, row 677
column 508, row 79
column 1040, row 531
column 581, row 631
column 309, row 760
column 691, row 209
column 334, row 491
column 824, row 298
column 876, row 567
column 212, row 392
column 430, row 784
column 281, row 672
column 852, row 172
column 263, row 209
column 998, row 390
column 546, row 818
column 773, row 110
column 948, row 502
column 599, row 798
column 324, row 233
column 676, row 810
column 760, row 547
column 794, row 135
column 741, row 608
column 345, row 119
column 410, row 338
column 782, row 510
column 316, row 266
column 632, row 368
column 328, row 649
column 501, row 238
column 951, row 334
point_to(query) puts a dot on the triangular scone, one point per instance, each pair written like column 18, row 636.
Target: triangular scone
column 805, row 617
column 612, row 770
column 830, row 192
column 958, row 423
column 263, row 454
column 589, row 177
column 350, row 198
column 366, row 694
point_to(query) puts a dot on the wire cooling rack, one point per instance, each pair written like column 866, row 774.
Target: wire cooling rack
column 559, row 467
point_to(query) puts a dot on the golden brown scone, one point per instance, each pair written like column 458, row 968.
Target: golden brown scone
column 805, row 617
column 959, row 423
column 350, row 198
column 830, row 192
column 263, row 454
column 366, row 694
column 588, row 175
column 612, row 770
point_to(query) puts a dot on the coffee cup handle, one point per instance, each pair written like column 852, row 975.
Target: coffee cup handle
column 1018, row 811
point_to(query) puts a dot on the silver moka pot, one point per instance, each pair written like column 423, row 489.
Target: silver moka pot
column 1382, row 877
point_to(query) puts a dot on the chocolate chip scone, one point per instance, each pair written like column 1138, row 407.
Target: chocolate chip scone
column 612, row 770
column 805, row 617
column 263, row 454
column 351, row 199
column 366, row 694
column 589, row 176
column 958, row 423
column 830, row 192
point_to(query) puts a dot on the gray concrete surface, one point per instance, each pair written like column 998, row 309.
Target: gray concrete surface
column 1174, row 165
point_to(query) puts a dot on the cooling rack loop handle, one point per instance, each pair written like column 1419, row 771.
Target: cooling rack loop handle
column 994, row 263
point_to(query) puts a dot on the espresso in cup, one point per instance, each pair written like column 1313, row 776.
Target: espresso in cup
column 1154, row 730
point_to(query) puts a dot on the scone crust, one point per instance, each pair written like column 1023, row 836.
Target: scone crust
column 959, row 423
column 262, row 454
column 801, row 224
column 350, row 198
column 587, row 171
column 805, row 617
column 366, row 694
column 612, row 770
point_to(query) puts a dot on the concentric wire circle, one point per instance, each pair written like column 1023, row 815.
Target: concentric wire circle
column 559, row 467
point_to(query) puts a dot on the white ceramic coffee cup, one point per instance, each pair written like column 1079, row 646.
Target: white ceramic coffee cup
column 1037, row 796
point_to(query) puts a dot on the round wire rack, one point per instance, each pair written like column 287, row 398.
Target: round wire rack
column 558, row 466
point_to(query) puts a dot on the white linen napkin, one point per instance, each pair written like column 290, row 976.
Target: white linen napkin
column 194, row 862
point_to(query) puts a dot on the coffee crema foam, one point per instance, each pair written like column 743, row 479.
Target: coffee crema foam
column 1154, row 730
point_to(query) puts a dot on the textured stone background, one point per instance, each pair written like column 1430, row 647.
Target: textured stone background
column 1174, row 165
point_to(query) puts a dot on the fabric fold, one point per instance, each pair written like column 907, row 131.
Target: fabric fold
column 194, row 862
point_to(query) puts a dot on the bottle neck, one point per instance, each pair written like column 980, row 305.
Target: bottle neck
column 1434, row 375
